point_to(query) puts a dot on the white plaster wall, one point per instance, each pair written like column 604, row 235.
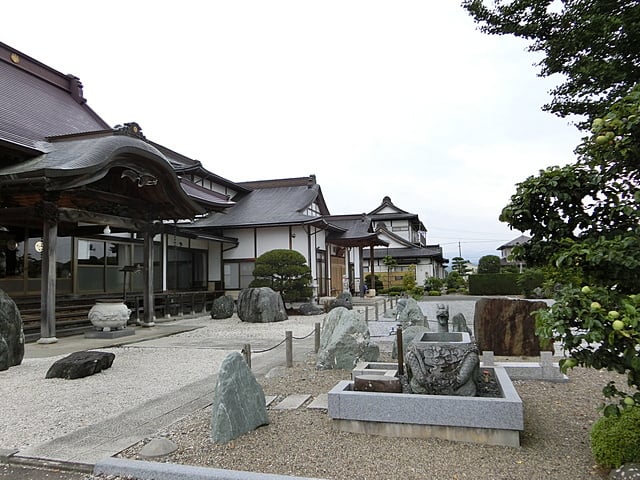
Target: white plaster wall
column 275, row 238
column 245, row 246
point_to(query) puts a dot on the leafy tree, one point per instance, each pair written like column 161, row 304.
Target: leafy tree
column 390, row 263
column 409, row 278
column 591, row 44
column 489, row 264
column 286, row 272
column 455, row 281
column 459, row 265
column 378, row 283
column 585, row 223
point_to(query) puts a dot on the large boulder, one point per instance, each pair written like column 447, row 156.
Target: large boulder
column 239, row 404
column 506, row 326
column 345, row 341
column 261, row 305
column 80, row 364
column 409, row 313
column 223, row 307
column 11, row 333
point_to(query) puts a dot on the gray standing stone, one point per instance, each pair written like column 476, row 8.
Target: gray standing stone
column 506, row 326
column 261, row 305
column 411, row 314
column 345, row 341
column 222, row 307
column 239, row 404
column 408, row 335
column 80, row 364
column 11, row 333
column 459, row 324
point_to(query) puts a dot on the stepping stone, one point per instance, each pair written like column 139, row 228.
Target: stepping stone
column 321, row 402
column 292, row 402
column 158, row 447
column 268, row 399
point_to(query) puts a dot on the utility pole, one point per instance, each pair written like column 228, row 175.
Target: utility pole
column 459, row 250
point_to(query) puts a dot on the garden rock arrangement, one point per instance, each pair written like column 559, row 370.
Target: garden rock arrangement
column 81, row 364
column 11, row 334
column 261, row 305
column 222, row 307
column 238, row 401
column 345, row 341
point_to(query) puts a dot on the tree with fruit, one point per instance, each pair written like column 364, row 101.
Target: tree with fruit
column 584, row 218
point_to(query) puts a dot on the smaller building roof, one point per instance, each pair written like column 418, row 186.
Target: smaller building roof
column 516, row 241
column 270, row 203
column 352, row 231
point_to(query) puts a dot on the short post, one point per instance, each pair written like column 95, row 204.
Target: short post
column 289, row 343
column 317, row 337
column 366, row 313
column 384, row 305
column 246, row 353
column 376, row 309
column 400, row 353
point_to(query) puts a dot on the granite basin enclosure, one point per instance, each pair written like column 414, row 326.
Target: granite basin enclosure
column 487, row 420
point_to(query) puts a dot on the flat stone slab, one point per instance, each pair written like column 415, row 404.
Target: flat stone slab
column 158, row 447
column 125, row 332
column 321, row 402
column 268, row 399
column 292, row 402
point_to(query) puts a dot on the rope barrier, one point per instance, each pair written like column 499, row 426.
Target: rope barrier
column 247, row 351
column 269, row 349
column 306, row 336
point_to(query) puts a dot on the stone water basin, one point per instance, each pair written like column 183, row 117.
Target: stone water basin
column 490, row 421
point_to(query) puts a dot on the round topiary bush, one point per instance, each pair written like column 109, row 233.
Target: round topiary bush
column 615, row 440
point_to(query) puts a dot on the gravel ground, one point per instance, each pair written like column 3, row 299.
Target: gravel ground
column 302, row 442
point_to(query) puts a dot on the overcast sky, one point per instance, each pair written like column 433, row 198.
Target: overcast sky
column 405, row 99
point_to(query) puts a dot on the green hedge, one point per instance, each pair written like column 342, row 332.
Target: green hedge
column 494, row 284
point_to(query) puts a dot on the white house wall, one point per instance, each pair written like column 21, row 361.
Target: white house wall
column 215, row 262
column 245, row 248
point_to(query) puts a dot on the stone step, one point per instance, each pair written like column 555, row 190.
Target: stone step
column 292, row 402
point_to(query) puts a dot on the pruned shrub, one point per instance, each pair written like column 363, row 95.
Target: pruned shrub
column 434, row 293
column 615, row 439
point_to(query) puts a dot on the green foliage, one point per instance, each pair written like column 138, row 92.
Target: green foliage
column 592, row 45
column 409, row 279
column 599, row 328
column 494, row 284
column 378, row 283
column 584, row 217
column 489, row 264
column 434, row 293
column 417, row 293
column 455, row 281
column 433, row 283
column 530, row 280
column 284, row 271
column 459, row 264
column 615, row 440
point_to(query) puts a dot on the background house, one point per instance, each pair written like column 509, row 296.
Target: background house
column 406, row 237
column 506, row 251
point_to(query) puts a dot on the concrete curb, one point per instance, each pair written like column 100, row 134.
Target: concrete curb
column 169, row 471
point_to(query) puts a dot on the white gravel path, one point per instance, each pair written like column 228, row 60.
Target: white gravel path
column 35, row 409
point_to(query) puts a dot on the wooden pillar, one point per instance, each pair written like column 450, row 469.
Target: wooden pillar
column 48, row 282
column 371, row 269
column 361, row 270
column 148, row 319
